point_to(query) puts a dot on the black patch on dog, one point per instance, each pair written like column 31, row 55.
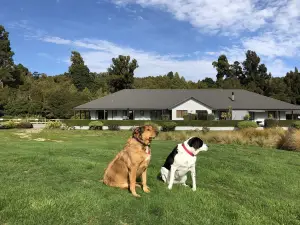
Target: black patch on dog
column 170, row 159
column 195, row 142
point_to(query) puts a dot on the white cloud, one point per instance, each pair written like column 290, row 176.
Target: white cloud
column 98, row 54
column 226, row 16
column 282, row 39
column 277, row 22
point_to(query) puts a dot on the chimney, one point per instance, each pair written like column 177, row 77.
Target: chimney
column 232, row 96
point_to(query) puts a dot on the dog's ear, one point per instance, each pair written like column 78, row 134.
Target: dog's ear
column 195, row 142
column 136, row 131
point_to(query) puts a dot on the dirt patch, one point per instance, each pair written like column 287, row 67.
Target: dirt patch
column 39, row 139
column 27, row 135
column 22, row 135
column 33, row 131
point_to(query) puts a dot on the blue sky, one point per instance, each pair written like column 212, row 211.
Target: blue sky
column 163, row 35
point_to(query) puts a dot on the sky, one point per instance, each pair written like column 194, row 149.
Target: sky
column 183, row 36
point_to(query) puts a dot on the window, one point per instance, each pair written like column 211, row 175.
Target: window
column 272, row 114
column 202, row 114
column 142, row 113
column 124, row 112
column 252, row 115
column 115, row 113
column 181, row 113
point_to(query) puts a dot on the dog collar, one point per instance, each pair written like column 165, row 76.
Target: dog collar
column 189, row 152
column 140, row 141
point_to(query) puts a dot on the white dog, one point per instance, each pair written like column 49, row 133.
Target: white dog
column 182, row 160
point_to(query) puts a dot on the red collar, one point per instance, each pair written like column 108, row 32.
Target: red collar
column 189, row 152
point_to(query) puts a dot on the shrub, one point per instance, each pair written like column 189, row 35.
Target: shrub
column 114, row 127
column 247, row 124
column 165, row 117
column 8, row 125
column 53, row 125
column 290, row 141
column 271, row 123
column 205, row 130
column 24, row 125
column 247, row 116
column 211, row 116
column 168, row 126
column 96, row 125
column 296, row 125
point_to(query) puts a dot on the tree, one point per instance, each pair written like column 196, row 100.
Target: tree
column 121, row 73
column 278, row 89
column 237, row 70
column 79, row 72
column 256, row 77
column 210, row 83
column 6, row 60
column 170, row 75
column 292, row 81
column 223, row 68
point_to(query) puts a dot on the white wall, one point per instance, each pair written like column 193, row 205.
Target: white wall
column 239, row 114
column 138, row 116
column 191, row 106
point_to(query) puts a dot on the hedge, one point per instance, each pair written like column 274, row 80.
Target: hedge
column 247, row 124
column 194, row 123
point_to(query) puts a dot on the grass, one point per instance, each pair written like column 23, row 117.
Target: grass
column 52, row 177
column 269, row 138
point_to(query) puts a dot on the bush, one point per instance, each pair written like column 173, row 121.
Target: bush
column 290, row 141
column 114, row 127
column 165, row 117
column 296, row 125
column 8, row 125
column 205, row 130
column 247, row 116
column 24, row 125
column 54, row 125
column 168, row 126
column 96, row 125
column 247, row 124
column 211, row 116
column 271, row 123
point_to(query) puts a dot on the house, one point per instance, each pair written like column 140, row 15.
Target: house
column 154, row 104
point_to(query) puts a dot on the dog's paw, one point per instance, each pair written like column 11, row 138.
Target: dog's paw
column 146, row 189
column 185, row 185
column 194, row 189
column 136, row 195
column 169, row 187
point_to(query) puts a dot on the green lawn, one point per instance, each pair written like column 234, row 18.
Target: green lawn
column 56, row 181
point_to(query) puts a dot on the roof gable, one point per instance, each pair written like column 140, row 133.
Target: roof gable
column 186, row 100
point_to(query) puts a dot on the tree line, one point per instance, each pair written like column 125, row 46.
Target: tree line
column 27, row 93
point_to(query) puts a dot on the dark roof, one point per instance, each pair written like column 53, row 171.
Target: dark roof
column 169, row 98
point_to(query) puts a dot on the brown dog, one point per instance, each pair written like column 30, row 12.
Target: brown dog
column 132, row 162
